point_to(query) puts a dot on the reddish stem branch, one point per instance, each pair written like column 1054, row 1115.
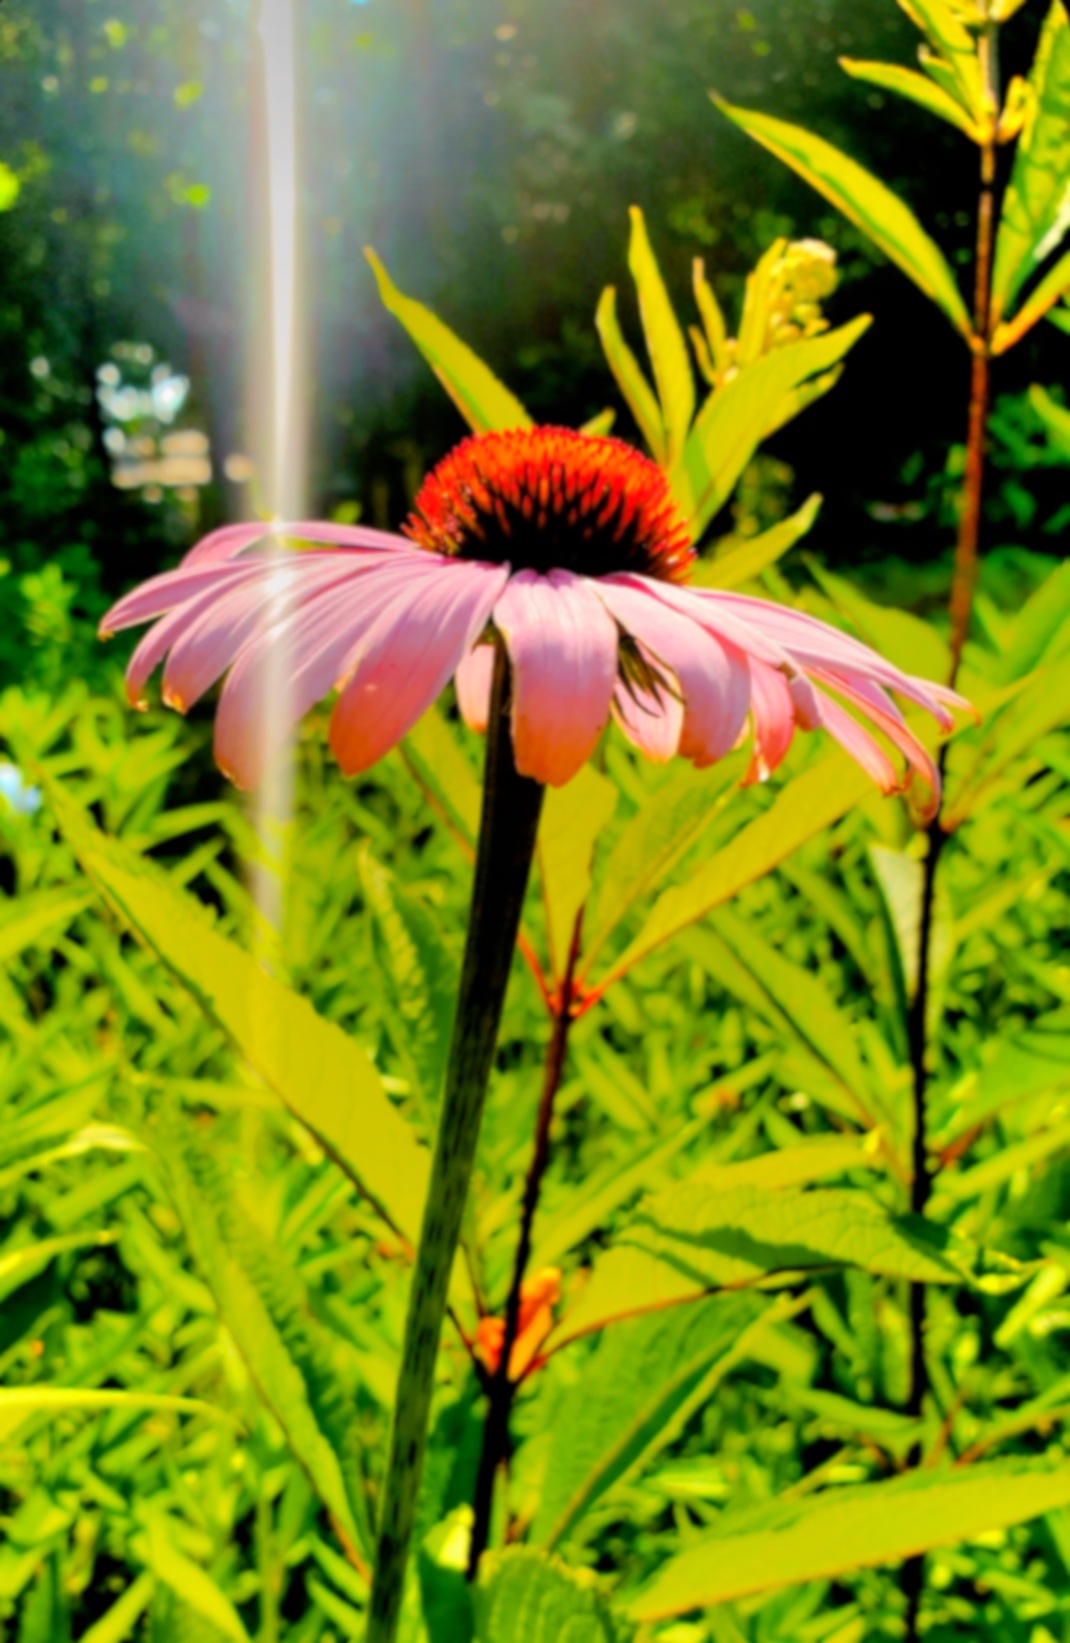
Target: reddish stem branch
column 501, row 1390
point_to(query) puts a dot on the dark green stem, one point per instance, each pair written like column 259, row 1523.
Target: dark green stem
column 511, row 805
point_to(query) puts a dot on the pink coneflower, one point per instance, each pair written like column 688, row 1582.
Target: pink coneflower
column 574, row 550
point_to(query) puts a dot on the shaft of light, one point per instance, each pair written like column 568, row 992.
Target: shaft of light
column 280, row 423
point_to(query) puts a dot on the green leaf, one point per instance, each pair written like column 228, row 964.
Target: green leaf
column 626, row 1405
column 525, row 1597
column 916, row 88
column 963, row 1185
column 325, row 1079
column 805, row 806
column 421, row 969
column 1036, row 205
column 638, row 394
column 1032, row 713
column 820, row 1536
column 572, row 820
column 1019, row 1069
column 905, row 639
column 21, row 1263
column 121, row 1619
column 484, row 402
column 692, row 1241
column 19, row 1404
column 264, row 1305
column 42, row 917
column 190, row 1583
column 865, row 201
column 658, row 836
column 437, row 760
column 815, row 1159
column 1044, row 295
column 957, row 64
column 664, row 340
column 796, row 1004
column 736, row 418
column 739, row 560
column 901, row 879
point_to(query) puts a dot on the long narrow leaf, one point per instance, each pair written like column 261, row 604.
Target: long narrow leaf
column 865, row 201
column 664, row 339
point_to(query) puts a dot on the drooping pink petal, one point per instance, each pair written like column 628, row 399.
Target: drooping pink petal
column 563, row 646
column 474, row 679
column 702, row 607
column 407, row 656
column 713, row 676
column 887, row 718
column 814, row 710
column 773, row 714
column 284, row 670
column 234, row 539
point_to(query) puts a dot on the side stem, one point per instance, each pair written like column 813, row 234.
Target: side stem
column 960, row 608
column 502, row 1390
column 508, row 828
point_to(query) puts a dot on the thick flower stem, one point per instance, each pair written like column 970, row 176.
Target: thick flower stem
column 511, row 806
column 502, row 1389
column 960, row 608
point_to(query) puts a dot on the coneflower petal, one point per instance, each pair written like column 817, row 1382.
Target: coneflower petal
column 563, row 646
column 407, row 656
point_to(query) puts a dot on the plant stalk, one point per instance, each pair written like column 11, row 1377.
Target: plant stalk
column 960, row 608
column 502, row 1390
column 508, row 828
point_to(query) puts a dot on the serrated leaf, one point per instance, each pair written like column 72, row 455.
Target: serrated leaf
column 420, row 967
column 692, row 1241
column 865, row 201
column 325, row 1079
column 638, row 394
column 263, row 1303
column 525, row 1597
column 916, row 88
column 735, row 418
column 735, row 561
column 664, row 340
column 623, row 1409
column 1036, row 205
column 861, row 1526
column 485, row 403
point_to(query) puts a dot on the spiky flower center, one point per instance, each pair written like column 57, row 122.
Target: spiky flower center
column 550, row 499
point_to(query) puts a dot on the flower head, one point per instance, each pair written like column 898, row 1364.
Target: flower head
column 571, row 550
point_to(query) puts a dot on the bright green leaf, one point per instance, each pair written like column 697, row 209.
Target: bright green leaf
column 638, row 394
column 739, row 560
column 820, row 1536
column 916, row 88
column 572, row 820
column 123, row 1616
column 865, row 201
column 484, row 402
column 10, row 187
column 525, row 1597
column 1036, row 205
column 664, row 340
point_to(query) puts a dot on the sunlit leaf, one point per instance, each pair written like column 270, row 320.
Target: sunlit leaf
column 658, row 836
column 1043, row 297
column 956, row 53
column 865, row 201
column 861, row 1526
column 693, row 1240
column 40, row 918
column 627, row 1403
column 19, row 1262
column 19, row 1404
column 736, row 418
column 572, row 820
column 1036, row 205
column 736, row 560
column 916, row 88
column 525, row 1597
column 122, row 1618
column 901, row 880
column 815, row 1159
column 10, row 187
column 638, row 394
column 192, row 1584
column 437, row 759
column 484, row 402
column 325, row 1079
column 664, row 340
column 804, row 806
column 264, row 1306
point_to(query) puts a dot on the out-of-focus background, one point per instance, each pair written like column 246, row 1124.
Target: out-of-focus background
column 488, row 150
